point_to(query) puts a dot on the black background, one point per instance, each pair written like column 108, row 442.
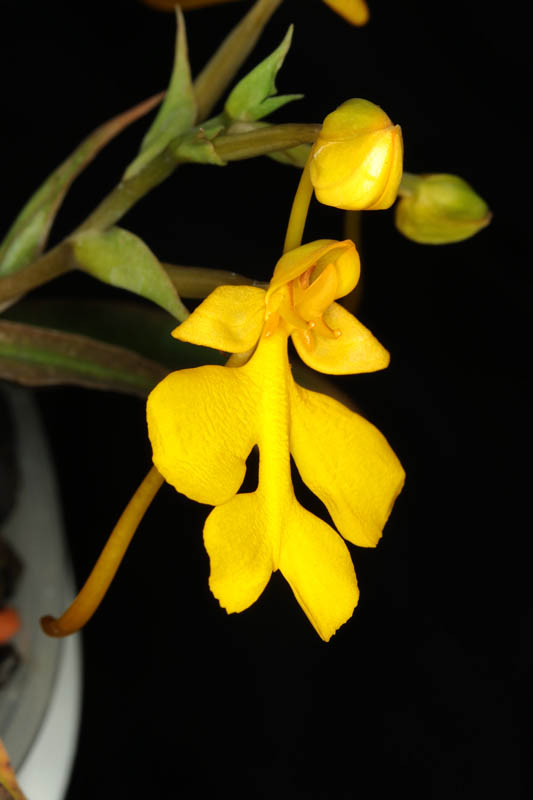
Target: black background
column 426, row 689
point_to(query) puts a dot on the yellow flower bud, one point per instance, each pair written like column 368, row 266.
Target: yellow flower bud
column 354, row 11
column 439, row 209
column 170, row 5
column 356, row 162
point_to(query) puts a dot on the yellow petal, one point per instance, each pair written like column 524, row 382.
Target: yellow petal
column 348, row 266
column 317, row 565
column 355, row 174
column 311, row 302
column 354, row 11
column 229, row 319
column 240, row 552
column 390, row 192
column 170, row 5
column 354, row 117
column 201, row 426
column 296, row 262
column 356, row 162
column 347, row 463
column 355, row 350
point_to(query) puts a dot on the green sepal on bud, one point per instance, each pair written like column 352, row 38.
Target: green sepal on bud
column 439, row 209
column 197, row 146
column 254, row 97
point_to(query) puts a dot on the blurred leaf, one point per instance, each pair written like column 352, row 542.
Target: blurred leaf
column 178, row 111
column 27, row 236
column 253, row 97
column 141, row 328
column 136, row 338
column 9, row 788
column 120, row 258
column 37, row 356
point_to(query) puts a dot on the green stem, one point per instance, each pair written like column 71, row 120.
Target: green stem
column 55, row 262
column 264, row 140
column 198, row 282
column 230, row 148
column 128, row 192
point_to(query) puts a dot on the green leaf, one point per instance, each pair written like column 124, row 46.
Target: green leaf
column 27, row 236
column 9, row 788
column 253, row 97
column 120, row 258
column 144, row 329
column 178, row 111
column 35, row 356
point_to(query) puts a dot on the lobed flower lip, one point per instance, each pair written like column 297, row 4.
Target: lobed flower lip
column 203, row 424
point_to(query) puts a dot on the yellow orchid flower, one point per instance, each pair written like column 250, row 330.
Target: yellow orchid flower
column 354, row 11
column 204, row 422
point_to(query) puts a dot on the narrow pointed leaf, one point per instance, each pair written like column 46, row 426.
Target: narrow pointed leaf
column 107, row 345
column 27, row 236
column 178, row 111
column 9, row 788
column 121, row 259
column 35, row 356
column 253, row 97
column 144, row 329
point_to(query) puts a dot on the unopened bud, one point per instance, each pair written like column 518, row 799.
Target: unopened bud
column 440, row 209
column 356, row 162
column 354, row 11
